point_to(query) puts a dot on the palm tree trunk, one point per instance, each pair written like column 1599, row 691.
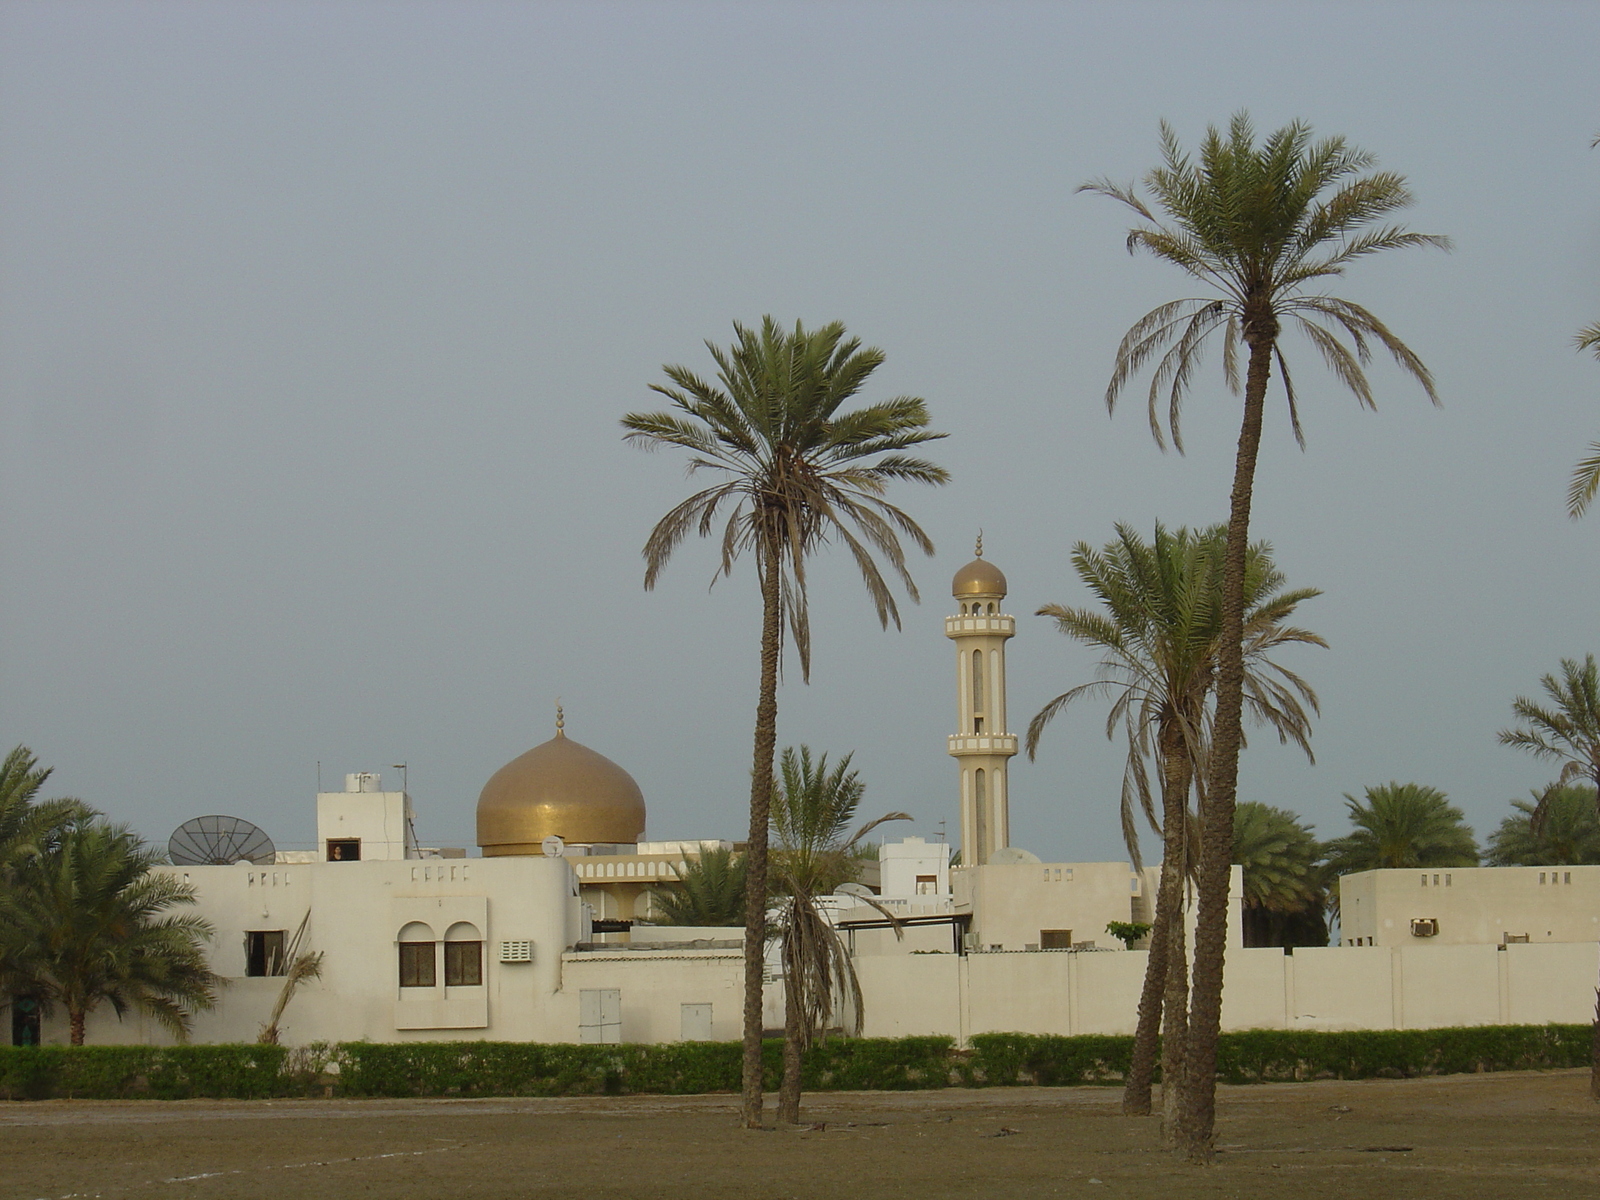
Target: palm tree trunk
column 1174, row 1026
column 1199, row 1099
column 789, row 1090
column 1147, row 1034
column 1169, row 914
column 755, row 887
column 75, row 1019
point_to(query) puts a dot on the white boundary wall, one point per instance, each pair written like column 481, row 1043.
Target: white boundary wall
column 1340, row 987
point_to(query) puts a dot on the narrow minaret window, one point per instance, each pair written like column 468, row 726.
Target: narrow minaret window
column 977, row 691
column 983, row 747
column 980, row 812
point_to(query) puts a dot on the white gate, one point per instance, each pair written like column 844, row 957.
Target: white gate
column 695, row 1022
column 600, row 1015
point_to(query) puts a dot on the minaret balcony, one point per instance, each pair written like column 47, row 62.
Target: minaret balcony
column 983, row 743
column 998, row 625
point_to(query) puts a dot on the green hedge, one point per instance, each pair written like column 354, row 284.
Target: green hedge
column 147, row 1072
column 840, row 1064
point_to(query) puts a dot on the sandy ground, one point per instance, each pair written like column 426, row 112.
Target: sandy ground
column 1506, row 1135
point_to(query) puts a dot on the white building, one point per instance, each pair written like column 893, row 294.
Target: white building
column 541, row 939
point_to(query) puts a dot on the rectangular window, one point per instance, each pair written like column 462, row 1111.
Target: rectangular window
column 263, row 952
column 1055, row 939
column 927, row 885
column 463, row 964
column 416, row 964
column 344, row 849
column 1566, row 877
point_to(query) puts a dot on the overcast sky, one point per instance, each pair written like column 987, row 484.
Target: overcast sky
column 317, row 320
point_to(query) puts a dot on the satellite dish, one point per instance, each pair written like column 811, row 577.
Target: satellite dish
column 553, row 846
column 1012, row 856
column 219, row 841
column 855, row 889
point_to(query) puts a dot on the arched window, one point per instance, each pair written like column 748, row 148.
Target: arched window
column 463, row 955
column 977, row 682
column 416, row 956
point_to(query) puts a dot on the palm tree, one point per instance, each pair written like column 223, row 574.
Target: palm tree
column 303, row 967
column 709, row 891
column 1586, row 475
column 1565, row 731
column 1403, row 825
column 1158, row 628
column 811, row 814
column 1264, row 229
column 1568, row 833
column 1285, row 890
column 29, row 827
column 794, row 473
column 97, row 921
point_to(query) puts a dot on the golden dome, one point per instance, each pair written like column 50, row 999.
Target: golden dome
column 561, row 788
column 980, row 577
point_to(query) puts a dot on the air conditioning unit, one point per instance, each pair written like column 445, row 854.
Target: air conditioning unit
column 1425, row 927
column 516, row 952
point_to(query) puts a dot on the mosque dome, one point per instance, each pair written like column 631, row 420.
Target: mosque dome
column 561, row 788
column 980, row 577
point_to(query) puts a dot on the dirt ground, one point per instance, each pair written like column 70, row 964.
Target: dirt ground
column 1463, row 1136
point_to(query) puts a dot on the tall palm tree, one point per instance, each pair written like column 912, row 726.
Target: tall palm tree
column 1158, row 628
column 794, row 473
column 1264, row 229
column 1568, row 833
column 708, row 891
column 1567, row 731
column 1586, row 475
column 812, row 810
column 1285, row 888
column 97, row 920
column 1403, row 825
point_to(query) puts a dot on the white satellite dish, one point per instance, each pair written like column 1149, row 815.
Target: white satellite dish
column 855, row 889
column 553, row 847
column 1012, row 856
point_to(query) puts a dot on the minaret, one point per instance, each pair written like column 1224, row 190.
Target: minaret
column 983, row 747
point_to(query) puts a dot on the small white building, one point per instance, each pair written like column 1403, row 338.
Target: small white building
column 1450, row 906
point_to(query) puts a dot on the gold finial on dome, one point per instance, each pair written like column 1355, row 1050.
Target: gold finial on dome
column 561, row 719
column 979, row 552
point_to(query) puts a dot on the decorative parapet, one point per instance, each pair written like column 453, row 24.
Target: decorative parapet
column 998, row 626
column 983, row 743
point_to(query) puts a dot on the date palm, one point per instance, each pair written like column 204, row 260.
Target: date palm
column 709, row 891
column 99, row 923
column 1284, row 880
column 1586, row 475
column 1265, row 229
column 1569, row 831
column 795, row 472
column 1403, row 825
column 812, row 810
column 1565, row 730
column 1157, row 628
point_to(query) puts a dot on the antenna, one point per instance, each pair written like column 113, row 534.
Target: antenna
column 405, row 779
column 219, row 841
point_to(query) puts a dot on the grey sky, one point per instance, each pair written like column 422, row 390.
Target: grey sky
column 316, row 321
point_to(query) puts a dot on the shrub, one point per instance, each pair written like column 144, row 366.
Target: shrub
column 249, row 1072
